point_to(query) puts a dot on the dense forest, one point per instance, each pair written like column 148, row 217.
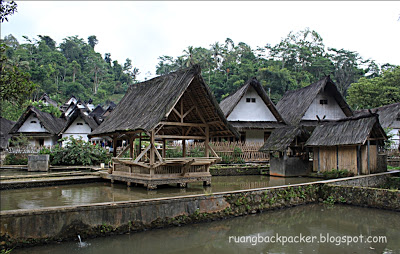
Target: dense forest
column 73, row 67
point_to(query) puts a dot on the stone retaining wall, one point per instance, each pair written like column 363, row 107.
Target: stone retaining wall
column 235, row 171
column 29, row 227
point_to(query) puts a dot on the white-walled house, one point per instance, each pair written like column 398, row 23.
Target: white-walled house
column 41, row 128
column 389, row 117
column 79, row 124
column 251, row 112
column 318, row 101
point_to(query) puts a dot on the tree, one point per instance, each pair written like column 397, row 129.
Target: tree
column 92, row 40
column 6, row 9
column 375, row 92
column 15, row 86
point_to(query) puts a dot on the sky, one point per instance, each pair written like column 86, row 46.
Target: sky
column 143, row 31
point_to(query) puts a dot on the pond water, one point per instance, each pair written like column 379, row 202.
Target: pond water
column 314, row 221
column 80, row 194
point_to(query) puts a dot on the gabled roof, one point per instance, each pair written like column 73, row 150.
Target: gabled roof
column 281, row 138
column 229, row 103
column 51, row 123
column 387, row 114
column 295, row 103
column 347, row 131
column 77, row 112
column 46, row 98
column 5, row 127
column 97, row 111
column 147, row 103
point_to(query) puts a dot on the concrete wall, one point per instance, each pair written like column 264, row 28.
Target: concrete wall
column 332, row 110
column 249, row 111
column 289, row 166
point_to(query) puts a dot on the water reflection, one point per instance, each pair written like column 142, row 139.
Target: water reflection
column 80, row 194
column 310, row 220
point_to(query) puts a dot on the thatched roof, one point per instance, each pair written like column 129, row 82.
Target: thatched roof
column 51, row 123
column 282, row 138
column 229, row 103
column 146, row 104
column 97, row 111
column 295, row 103
column 387, row 114
column 77, row 112
column 47, row 99
column 347, row 131
column 5, row 127
column 256, row 125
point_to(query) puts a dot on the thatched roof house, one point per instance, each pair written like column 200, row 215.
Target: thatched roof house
column 389, row 117
column 5, row 127
column 47, row 100
column 181, row 95
column 40, row 127
column 292, row 156
column 351, row 143
column 321, row 99
column 283, row 138
column 250, row 111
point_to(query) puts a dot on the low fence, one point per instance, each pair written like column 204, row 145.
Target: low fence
column 228, row 151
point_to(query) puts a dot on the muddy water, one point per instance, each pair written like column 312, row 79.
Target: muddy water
column 79, row 194
column 313, row 221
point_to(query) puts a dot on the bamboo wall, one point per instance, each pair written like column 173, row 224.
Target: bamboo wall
column 373, row 158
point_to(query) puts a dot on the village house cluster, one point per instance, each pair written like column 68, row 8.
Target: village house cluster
column 313, row 125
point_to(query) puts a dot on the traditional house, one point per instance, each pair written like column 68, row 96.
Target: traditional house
column 5, row 127
column 251, row 112
column 289, row 157
column 97, row 113
column 176, row 106
column 71, row 100
column 108, row 110
column 389, row 118
column 48, row 101
column 351, row 143
column 78, row 125
column 41, row 128
column 320, row 100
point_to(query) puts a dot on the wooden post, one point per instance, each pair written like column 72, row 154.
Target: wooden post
column 140, row 144
column 183, row 148
column 319, row 163
column 368, row 154
column 337, row 157
column 206, row 142
column 131, row 146
column 114, row 146
column 164, row 150
column 152, row 153
column 358, row 160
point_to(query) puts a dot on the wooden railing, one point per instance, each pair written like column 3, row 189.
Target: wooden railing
column 229, row 151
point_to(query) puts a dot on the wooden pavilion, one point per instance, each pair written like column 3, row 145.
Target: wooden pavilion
column 176, row 106
column 351, row 143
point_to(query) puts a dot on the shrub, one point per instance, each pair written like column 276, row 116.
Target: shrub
column 76, row 152
column 16, row 159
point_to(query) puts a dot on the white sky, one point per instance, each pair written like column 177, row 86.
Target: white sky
column 143, row 31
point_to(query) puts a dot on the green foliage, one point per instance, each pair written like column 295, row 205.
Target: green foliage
column 334, row 173
column 76, row 152
column 6, row 9
column 377, row 91
column 47, row 108
column 16, row 159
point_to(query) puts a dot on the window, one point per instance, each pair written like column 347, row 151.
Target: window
column 79, row 123
column 323, row 102
column 247, row 99
column 252, row 100
column 33, row 122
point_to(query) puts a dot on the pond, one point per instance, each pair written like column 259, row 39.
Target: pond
column 80, row 194
column 330, row 228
